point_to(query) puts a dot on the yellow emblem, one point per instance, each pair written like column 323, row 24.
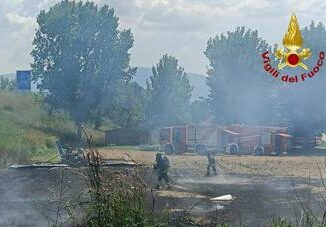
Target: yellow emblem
column 292, row 42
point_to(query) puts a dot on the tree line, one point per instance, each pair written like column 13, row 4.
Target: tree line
column 82, row 66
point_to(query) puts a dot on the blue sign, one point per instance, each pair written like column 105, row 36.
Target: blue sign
column 23, row 80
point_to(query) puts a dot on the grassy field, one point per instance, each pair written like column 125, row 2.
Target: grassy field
column 287, row 166
column 28, row 132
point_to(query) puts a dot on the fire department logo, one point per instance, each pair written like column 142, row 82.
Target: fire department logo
column 293, row 55
column 293, row 42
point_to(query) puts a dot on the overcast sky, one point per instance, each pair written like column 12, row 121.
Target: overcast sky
column 177, row 27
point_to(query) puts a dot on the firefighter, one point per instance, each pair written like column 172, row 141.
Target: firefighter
column 211, row 164
column 162, row 166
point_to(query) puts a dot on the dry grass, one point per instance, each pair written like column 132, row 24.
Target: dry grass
column 300, row 166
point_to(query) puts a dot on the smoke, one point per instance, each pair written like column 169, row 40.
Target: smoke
column 19, row 197
column 221, row 179
column 27, row 196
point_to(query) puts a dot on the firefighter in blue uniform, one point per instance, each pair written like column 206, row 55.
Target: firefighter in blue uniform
column 211, row 164
column 162, row 166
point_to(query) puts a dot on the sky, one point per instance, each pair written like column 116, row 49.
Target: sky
column 177, row 27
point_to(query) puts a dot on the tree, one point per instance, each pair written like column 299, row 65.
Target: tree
column 169, row 93
column 80, row 57
column 200, row 112
column 128, row 110
column 240, row 92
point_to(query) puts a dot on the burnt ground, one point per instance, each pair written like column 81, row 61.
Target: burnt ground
column 27, row 196
column 258, row 201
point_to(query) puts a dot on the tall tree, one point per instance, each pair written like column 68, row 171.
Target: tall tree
column 169, row 93
column 240, row 92
column 200, row 112
column 80, row 56
column 128, row 109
